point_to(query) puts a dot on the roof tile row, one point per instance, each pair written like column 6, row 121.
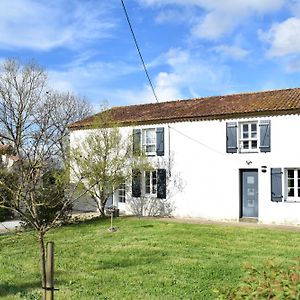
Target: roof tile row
column 218, row 107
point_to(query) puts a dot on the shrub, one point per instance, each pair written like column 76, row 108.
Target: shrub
column 272, row 281
column 51, row 200
column 6, row 183
column 5, row 214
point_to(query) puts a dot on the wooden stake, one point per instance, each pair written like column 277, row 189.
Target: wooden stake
column 50, row 271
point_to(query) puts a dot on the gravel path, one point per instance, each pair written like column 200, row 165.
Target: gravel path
column 9, row 225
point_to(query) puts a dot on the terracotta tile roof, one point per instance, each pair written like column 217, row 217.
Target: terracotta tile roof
column 219, row 107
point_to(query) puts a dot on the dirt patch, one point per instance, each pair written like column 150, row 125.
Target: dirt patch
column 230, row 223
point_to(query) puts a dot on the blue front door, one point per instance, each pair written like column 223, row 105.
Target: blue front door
column 249, row 193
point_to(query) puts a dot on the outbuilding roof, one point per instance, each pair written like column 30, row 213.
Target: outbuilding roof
column 285, row 101
column 5, row 149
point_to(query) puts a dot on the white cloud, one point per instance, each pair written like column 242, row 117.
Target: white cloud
column 188, row 77
column 182, row 75
column 89, row 78
column 284, row 38
column 191, row 76
column 214, row 25
column 174, row 15
column 220, row 17
column 224, row 5
column 233, row 52
column 293, row 66
column 44, row 25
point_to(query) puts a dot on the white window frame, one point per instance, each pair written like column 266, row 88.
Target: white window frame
column 146, row 143
column 122, row 193
column 152, row 183
column 296, row 178
column 249, row 139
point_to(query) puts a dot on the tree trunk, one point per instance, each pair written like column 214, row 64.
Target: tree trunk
column 100, row 207
column 101, row 203
column 43, row 262
column 102, row 210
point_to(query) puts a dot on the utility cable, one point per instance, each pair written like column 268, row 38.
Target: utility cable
column 139, row 51
column 199, row 142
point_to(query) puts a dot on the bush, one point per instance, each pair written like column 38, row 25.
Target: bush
column 7, row 179
column 272, row 281
column 50, row 199
column 5, row 214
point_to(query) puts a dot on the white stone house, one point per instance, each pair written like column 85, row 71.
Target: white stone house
column 7, row 157
column 238, row 155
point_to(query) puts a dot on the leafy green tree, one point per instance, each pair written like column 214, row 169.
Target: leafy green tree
column 103, row 160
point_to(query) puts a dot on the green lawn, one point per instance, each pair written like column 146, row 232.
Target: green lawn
column 144, row 259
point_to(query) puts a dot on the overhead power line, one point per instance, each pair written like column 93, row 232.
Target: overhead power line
column 199, row 142
column 139, row 51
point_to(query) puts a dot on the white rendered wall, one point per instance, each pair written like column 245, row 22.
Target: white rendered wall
column 211, row 177
column 86, row 203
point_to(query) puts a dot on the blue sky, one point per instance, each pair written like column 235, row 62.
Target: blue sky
column 193, row 48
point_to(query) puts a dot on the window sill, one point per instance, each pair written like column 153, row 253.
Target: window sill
column 248, row 151
column 150, row 154
column 292, row 201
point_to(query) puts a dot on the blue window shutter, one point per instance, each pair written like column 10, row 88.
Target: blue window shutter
column 276, row 185
column 231, row 137
column 161, row 183
column 265, row 135
column 160, row 141
column 136, row 183
column 136, row 141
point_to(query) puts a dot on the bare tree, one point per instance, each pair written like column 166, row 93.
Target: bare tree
column 103, row 160
column 67, row 109
column 33, row 120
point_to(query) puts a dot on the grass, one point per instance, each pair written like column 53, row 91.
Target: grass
column 144, row 259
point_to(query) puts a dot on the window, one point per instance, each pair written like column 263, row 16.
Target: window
column 149, row 141
column 245, row 137
column 122, row 193
column 292, row 184
column 248, row 137
column 150, row 183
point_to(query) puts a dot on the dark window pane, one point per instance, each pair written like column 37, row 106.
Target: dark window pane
column 150, row 148
column 253, row 127
column 254, row 144
column 290, row 173
column 154, row 180
column 291, row 192
column 298, row 192
column 291, row 183
column 245, row 145
column 154, row 189
column 147, row 182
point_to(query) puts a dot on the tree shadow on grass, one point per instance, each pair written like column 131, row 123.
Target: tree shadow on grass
column 7, row 289
column 11, row 289
column 147, row 226
column 139, row 259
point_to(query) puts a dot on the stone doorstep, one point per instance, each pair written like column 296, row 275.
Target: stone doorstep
column 249, row 220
